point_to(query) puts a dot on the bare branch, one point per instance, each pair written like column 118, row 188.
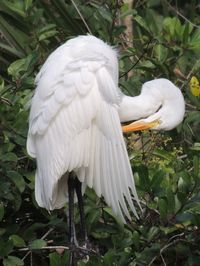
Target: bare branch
column 29, row 250
column 81, row 16
column 83, row 249
column 44, row 248
column 141, row 56
column 172, row 241
column 181, row 15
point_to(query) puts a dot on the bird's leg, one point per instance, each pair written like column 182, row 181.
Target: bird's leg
column 86, row 244
column 72, row 234
column 81, row 209
column 71, row 188
column 83, row 251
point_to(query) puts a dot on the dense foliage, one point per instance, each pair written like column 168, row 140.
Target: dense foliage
column 165, row 43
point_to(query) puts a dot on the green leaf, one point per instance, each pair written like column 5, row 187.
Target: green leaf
column 186, row 33
column 163, row 154
column 147, row 65
column 196, row 147
column 119, row 30
column 169, row 230
column 100, row 235
column 13, row 261
column 57, row 259
column 161, row 52
column 136, row 239
column 16, row 6
column 162, row 206
column 174, row 28
column 47, row 32
column 152, row 233
column 17, row 241
column 157, row 179
column 116, row 218
column 9, row 157
column 169, row 26
column 104, row 13
column 67, row 19
column 2, row 231
column 195, row 39
column 2, row 84
column 144, row 180
column 28, row 4
column 38, row 243
column 1, row 211
column 17, row 179
column 141, row 22
column 16, row 67
column 123, row 239
column 170, row 200
column 47, row 35
column 178, row 202
column 20, row 66
column 154, row 22
column 195, row 209
column 14, row 36
column 196, row 164
column 5, row 247
column 11, row 50
column 92, row 218
column 152, row 3
column 108, row 258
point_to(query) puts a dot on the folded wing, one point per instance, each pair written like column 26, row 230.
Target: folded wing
column 74, row 126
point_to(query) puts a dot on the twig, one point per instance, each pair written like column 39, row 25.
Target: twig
column 181, row 15
column 138, row 60
column 175, row 236
column 43, row 248
column 13, row 130
column 163, row 260
column 47, row 233
column 30, row 250
column 114, row 18
column 6, row 101
column 172, row 242
column 81, row 16
column 191, row 71
column 154, row 210
column 31, row 258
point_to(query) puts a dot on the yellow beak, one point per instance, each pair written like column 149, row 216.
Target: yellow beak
column 140, row 125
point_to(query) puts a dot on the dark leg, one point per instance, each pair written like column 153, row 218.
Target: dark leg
column 81, row 209
column 75, row 185
column 71, row 187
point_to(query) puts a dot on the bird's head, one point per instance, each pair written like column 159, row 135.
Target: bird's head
column 170, row 112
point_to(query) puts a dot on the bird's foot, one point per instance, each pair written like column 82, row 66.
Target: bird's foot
column 82, row 251
column 86, row 245
column 78, row 252
column 73, row 248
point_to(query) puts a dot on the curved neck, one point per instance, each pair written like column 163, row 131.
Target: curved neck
column 134, row 108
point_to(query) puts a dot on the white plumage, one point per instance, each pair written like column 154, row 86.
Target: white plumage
column 159, row 100
column 75, row 126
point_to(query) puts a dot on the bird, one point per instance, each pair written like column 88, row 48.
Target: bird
column 75, row 130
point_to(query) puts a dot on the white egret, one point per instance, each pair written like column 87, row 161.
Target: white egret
column 75, row 130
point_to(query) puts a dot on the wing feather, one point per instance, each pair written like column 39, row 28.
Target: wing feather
column 112, row 176
column 75, row 126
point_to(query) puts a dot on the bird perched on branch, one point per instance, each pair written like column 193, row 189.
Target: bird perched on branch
column 75, row 130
